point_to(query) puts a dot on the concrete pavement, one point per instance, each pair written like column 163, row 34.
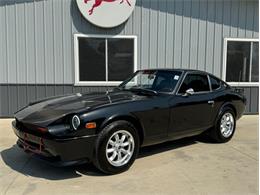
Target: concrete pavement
column 188, row 166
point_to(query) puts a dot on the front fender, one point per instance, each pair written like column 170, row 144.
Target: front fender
column 130, row 118
column 104, row 117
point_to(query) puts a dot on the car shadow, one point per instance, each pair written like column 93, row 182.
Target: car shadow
column 27, row 165
column 171, row 145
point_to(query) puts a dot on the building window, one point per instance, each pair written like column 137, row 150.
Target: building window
column 104, row 60
column 241, row 64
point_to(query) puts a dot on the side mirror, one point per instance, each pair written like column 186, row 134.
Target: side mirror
column 189, row 92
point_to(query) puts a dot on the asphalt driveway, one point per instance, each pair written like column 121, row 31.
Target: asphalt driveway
column 188, row 166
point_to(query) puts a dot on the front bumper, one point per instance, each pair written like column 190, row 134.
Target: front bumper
column 65, row 151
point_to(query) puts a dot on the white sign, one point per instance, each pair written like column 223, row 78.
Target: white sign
column 106, row 13
column 176, row 77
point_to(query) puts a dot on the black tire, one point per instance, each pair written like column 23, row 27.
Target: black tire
column 100, row 159
column 215, row 132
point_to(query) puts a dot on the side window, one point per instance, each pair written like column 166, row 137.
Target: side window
column 215, row 83
column 166, row 81
column 198, row 82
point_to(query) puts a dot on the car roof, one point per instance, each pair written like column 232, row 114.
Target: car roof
column 183, row 70
column 175, row 69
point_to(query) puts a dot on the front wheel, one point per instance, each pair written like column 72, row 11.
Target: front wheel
column 225, row 126
column 117, row 147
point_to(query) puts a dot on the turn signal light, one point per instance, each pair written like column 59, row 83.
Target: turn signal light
column 91, row 125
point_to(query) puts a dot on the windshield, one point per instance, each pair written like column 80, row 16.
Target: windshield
column 155, row 80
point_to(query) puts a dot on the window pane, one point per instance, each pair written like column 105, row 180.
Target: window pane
column 197, row 82
column 215, row 83
column 255, row 63
column 166, row 81
column 161, row 81
column 145, row 80
column 120, row 59
column 92, row 62
column 238, row 59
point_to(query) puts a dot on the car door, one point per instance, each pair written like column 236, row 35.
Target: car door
column 154, row 111
column 191, row 112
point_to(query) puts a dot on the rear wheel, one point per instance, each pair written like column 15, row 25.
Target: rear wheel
column 225, row 126
column 117, row 147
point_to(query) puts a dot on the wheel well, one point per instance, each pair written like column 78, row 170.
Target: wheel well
column 131, row 120
column 230, row 106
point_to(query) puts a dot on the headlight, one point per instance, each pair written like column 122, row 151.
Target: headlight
column 75, row 122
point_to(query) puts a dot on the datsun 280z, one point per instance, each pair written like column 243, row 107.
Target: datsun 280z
column 108, row 128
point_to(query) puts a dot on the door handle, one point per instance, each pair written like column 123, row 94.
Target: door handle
column 211, row 102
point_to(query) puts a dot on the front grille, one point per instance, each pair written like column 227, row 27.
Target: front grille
column 28, row 128
column 27, row 142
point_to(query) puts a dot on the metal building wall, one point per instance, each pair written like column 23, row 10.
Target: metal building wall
column 36, row 42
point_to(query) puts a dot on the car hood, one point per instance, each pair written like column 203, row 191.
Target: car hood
column 46, row 111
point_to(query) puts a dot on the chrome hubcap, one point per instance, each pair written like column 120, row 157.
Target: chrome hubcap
column 120, row 148
column 227, row 125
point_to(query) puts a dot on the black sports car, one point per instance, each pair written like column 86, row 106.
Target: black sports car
column 108, row 128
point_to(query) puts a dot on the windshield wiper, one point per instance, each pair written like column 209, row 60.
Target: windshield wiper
column 149, row 91
column 117, row 88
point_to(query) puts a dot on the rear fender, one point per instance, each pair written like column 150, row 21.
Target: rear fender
column 226, row 104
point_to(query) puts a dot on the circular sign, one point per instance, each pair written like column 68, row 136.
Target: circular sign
column 106, row 13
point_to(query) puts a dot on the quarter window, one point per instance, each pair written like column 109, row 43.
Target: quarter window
column 199, row 83
column 215, row 83
column 104, row 60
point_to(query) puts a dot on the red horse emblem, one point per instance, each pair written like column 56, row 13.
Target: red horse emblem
column 99, row 2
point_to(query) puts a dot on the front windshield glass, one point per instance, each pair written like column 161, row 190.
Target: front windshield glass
column 155, row 80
